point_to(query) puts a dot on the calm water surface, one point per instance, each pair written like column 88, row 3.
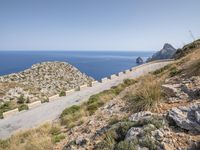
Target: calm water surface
column 96, row 64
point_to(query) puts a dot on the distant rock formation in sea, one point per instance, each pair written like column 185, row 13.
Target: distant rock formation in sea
column 167, row 52
column 139, row 60
column 41, row 81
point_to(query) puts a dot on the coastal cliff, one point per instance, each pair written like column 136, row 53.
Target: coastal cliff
column 167, row 52
column 41, row 81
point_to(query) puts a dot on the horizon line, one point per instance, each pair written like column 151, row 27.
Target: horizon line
column 83, row 50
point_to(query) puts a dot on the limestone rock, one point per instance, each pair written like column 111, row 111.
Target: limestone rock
column 186, row 117
column 133, row 133
column 80, row 141
column 166, row 52
column 143, row 115
column 42, row 80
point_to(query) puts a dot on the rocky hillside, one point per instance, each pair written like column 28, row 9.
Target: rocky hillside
column 181, row 52
column 41, row 81
column 166, row 52
column 158, row 111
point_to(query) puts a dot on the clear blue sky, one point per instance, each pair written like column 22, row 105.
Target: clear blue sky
column 97, row 24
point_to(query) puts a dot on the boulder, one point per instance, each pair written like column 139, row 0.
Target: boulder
column 143, row 115
column 167, row 52
column 80, row 141
column 139, row 60
column 171, row 90
column 186, row 117
column 133, row 133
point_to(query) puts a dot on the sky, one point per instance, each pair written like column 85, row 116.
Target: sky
column 97, row 24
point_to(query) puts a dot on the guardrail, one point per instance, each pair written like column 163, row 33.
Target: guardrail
column 10, row 113
column 70, row 91
column 54, row 97
column 113, row 76
column 82, row 87
column 104, row 80
column 34, row 104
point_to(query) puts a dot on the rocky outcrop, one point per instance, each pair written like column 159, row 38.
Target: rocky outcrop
column 187, row 118
column 167, row 52
column 179, row 89
column 42, row 80
column 189, row 48
column 141, row 116
column 139, row 60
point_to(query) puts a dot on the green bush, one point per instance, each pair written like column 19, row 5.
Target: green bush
column 70, row 110
column 55, row 130
column 23, row 107
column 148, row 142
column 107, row 144
column 174, row 71
column 161, row 70
column 125, row 145
column 45, row 100
column 27, row 100
column 94, row 103
column 5, row 107
column 70, row 115
column 58, row 138
column 21, row 99
column 62, row 93
column 128, row 82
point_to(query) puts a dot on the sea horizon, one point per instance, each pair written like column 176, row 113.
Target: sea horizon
column 97, row 64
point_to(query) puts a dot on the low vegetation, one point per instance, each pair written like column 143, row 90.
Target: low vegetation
column 39, row 138
column 62, row 93
column 75, row 114
column 193, row 69
column 147, row 94
column 23, row 107
column 21, row 99
column 6, row 107
column 114, row 137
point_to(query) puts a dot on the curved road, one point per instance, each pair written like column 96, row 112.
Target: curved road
column 52, row 110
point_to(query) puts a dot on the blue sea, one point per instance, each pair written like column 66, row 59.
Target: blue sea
column 97, row 64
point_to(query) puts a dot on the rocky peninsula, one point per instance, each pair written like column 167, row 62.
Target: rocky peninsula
column 41, row 81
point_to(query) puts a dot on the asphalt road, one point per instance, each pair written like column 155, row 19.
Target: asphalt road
column 51, row 111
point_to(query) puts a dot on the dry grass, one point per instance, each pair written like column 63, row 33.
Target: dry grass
column 193, row 69
column 147, row 94
column 74, row 115
column 41, row 138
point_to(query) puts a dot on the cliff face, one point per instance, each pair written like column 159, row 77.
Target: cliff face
column 166, row 52
column 41, row 80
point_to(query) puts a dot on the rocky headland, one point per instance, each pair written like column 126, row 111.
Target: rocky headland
column 167, row 52
column 41, row 81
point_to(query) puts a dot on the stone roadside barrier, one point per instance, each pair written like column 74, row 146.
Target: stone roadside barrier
column 34, row 104
column 54, row 97
column 83, row 86
column 120, row 73
column 70, row 91
column 104, row 80
column 93, row 83
column 10, row 113
column 113, row 76
column 127, row 71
